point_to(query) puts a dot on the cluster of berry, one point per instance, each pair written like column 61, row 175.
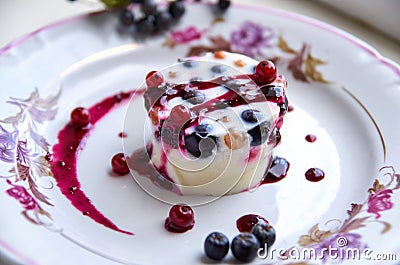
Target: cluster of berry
column 152, row 19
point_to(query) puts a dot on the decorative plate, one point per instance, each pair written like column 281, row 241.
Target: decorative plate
column 340, row 88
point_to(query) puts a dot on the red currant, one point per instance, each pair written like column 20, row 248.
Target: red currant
column 119, row 165
column 80, row 117
column 180, row 219
column 154, row 79
column 265, row 72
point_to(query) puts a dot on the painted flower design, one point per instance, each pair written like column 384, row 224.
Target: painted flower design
column 20, row 193
column 380, row 201
column 186, row 35
column 335, row 247
column 8, row 141
column 251, row 38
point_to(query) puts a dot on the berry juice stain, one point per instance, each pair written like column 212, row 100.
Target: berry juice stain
column 311, row 138
column 277, row 171
column 314, row 174
column 71, row 140
column 122, row 135
column 246, row 222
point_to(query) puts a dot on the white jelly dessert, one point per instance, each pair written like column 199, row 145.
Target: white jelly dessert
column 214, row 122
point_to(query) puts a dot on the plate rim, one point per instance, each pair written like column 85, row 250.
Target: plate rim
column 15, row 255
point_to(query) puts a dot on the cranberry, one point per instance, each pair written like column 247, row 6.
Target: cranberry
column 180, row 219
column 265, row 72
column 311, row 138
column 154, row 79
column 119, row 165
column 80, row 117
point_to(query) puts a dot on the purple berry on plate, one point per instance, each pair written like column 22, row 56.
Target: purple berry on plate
column 189, row 63
column 244, row 247
column 145, row 25
column 265, row 234
column 149, row 7
column 176, row 9
column 265, row 72
column 162, row 21
column 223, row 4
column 203, row 129
column 119, row 165
column 126, row 17
column 80, row 117
column 216, row 245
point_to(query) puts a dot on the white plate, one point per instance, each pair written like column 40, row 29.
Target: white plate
column 354, row 115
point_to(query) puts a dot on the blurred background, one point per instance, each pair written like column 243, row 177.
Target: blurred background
column 375, row 22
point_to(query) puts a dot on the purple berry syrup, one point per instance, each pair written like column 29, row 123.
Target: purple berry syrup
column 71, row 140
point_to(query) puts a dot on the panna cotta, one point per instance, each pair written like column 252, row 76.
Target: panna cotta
column 214, row 121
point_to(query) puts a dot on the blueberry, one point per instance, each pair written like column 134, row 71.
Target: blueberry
column 223, row 4
column 244, row 247
column 265, row 235
column 271, row 91
column 146, row 25
column 218, row 69
column 259, row 133
column 176, row 9
column 216, row 246
column 194, row 96
column 162, row 21
column 126, row 17
column 149, row 7
column 189, row 63
column 195, row 80
column 250, row 115
column 200, row 146
column 203, row 129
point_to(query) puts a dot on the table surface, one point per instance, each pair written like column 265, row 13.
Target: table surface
column 19, row 17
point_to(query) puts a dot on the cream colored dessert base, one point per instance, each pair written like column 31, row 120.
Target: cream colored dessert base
column 226, row 172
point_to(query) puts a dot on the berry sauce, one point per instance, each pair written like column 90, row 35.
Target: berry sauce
column 311, row 138
column 246, row 222
column 71, row 140
column 290, row 108
column 314, row 174
column 122, row 135
column 277, row 171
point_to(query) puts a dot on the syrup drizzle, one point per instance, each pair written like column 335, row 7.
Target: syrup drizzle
column 63, row 162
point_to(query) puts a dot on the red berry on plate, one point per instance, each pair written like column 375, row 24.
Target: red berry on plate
column 80, row 117
column 119, row 165
column 265, row 72
column 180, row 219
column 154, row 79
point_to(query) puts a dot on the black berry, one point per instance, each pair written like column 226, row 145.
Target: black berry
column 265, row 235
column 145, row 25
column 223, row 4
column 216, row 246
column 194, row 97
column 245, row 246
column 176, row 9
column 126, row 17
column 162, row 21
column 149, row 7
column 259, row 133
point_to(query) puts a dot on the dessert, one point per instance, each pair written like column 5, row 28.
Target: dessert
column 214, row 122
